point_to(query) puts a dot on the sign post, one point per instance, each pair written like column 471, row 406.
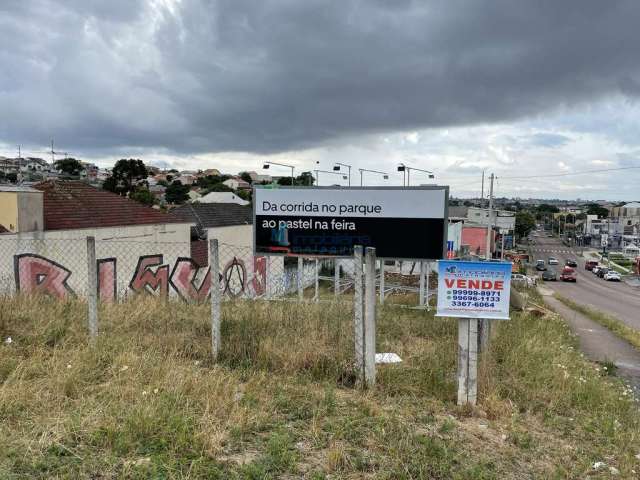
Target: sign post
column 472, row 291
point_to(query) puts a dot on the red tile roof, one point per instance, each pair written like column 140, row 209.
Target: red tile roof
column 70, row 205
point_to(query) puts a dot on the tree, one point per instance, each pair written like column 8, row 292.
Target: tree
column 69, row 166
column 595, row 209
column 164, row 183
column 176, row 193
column 245, row 195
column 126, row 176
column 284, row 181
column 246, row 177
column 306, row 179
column 143, row 195
column 525, row 223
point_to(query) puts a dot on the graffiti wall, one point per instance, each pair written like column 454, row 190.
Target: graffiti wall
column 126, row 269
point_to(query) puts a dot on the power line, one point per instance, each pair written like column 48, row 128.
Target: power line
column 567, row 174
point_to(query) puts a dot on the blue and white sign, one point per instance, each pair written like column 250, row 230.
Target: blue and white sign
column 474, row 289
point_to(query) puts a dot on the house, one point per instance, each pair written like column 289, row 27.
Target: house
column 187, row 178
column 258, row 178
column 211, row 171
column 231, row 224
column 222, row 197
column 236, row 183
column 51, row 223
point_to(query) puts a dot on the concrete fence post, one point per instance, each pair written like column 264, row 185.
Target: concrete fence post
column 92, row 288
column 370, row 317
column 214, row 269
column 336, row 277
column 467, row 361
column 300, row 278
column 358, row 303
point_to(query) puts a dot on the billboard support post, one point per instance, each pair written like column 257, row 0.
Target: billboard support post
column 370, row 318
column 358, row 303
column 428, row 274
column 92, row 286
column 421, row 295
column 381, row 281
column 336, row 278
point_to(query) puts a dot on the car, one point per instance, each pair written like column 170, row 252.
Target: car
column 612, row 276
column 520, row 279
column 540, row 266
column 602, row 271
column 568, row 275
column 571, row 263
column 595, row 269
column 549, row 276
column 552, row 261
column 590, row 264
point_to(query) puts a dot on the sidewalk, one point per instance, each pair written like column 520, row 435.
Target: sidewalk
column 597, row 342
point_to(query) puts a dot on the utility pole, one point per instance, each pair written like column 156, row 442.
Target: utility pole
column 490, row 219
column 19, row 152
column 482, row 191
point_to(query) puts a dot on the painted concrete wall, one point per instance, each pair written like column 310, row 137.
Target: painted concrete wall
column 30, row 211
column 9, row 211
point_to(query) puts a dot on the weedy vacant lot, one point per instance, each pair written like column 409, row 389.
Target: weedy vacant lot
column 146, row 401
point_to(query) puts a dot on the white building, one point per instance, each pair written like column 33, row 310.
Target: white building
column 237, row 184
column 222, row 197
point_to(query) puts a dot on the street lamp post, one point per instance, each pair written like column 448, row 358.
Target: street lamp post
column 405, row 168
column 266, row 167
column 384, row 174
column 336, row 168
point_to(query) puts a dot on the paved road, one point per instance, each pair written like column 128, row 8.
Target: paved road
column 599, row 343
column 613, row 298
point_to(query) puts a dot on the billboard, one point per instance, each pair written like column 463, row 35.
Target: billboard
column 474, row 289
column 403, row 223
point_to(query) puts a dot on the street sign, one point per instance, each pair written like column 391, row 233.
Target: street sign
column 403, row 223
column 604, row 239
column 474, row 289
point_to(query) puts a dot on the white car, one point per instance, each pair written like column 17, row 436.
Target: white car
column 523, row 279
column 612, row 276
column 552, row 261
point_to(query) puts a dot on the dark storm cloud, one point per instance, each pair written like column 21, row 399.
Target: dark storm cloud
column 276, row 75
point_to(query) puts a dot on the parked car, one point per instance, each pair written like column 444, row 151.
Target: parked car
column 612, row 276
column 571, row 263
column 590, row 264
column 549, row 276
column 602, row 271
column 552, row 261
column 540, row 266
column 568, row 275
column 520, row 279
column 595, row 269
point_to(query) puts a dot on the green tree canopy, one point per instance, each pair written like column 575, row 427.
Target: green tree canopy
column 126, row 176
column 525, row 223
column 219, row 187
column 176, row 193
column 143, row 195
column 69, row 166
column 595, row 209
column 246, row 177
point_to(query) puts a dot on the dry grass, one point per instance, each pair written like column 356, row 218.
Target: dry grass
column 146, row 401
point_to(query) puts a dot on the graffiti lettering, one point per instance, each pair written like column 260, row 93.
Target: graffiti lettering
column 107, row 289
column 146, row 280
column 235, row 277
column 259, row 280
column 183, row 278
column 36, row 274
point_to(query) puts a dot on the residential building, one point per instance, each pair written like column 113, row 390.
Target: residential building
column 236, row 183
column 259, row 178
column 222, row 197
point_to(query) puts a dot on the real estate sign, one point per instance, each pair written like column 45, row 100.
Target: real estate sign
column 404, row 223
column 474, row 289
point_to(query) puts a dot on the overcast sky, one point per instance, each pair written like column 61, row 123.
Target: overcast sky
column 511, row 87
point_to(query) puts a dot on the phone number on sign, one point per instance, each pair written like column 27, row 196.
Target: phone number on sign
column 456, row 303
